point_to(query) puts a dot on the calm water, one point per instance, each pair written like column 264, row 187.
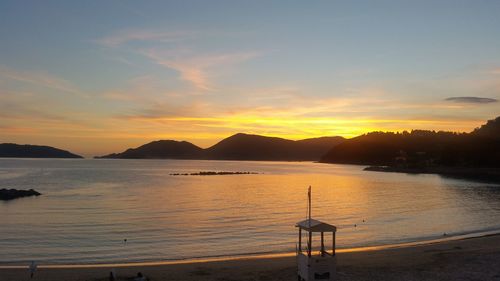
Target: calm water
column 90, row 206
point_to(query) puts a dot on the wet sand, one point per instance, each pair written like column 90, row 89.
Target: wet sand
column 466, row 259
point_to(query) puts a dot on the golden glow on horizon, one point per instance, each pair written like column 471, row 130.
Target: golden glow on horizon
column 309, row 127
column 206, row 131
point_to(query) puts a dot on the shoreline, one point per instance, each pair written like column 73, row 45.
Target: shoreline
column 252, row 256
column 467, row 258
column 491, row 175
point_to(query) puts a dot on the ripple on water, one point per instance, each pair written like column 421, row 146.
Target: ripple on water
column 90, row 206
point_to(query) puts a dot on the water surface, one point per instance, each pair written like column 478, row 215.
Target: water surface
column 89, row 207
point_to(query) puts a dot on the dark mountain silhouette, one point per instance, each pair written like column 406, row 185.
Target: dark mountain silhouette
column 162, row 149
column 236, row 147
column 480, row 148
column 255, row 147
column 33, row 151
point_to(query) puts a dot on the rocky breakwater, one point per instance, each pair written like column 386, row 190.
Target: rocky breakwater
column 10, row 194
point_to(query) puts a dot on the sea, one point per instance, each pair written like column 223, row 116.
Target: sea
column 102, row 211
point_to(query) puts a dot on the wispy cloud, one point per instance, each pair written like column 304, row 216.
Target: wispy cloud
column 298, row 128
column 139, row 90
column 296, row 116
column 494, row 71
column 174, row 50
column 38, row 78
column 473, row 100
column 195, row 68
column 131, row 35
column 18, row 106
column 15, row 130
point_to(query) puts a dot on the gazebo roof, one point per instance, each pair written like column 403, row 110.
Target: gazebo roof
column 312, row 225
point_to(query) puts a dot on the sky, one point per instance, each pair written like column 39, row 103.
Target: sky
column 96, row 77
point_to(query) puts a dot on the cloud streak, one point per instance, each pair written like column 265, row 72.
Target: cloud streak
column 494, row 71
column 140, row 35
column 473, row 100
column 173, row 50
column 298, row 117
column 195, row 69
column 38, row 78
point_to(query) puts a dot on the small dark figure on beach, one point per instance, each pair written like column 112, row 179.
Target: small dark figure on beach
column 111, row 276
column 33, row 267
column 140, row 277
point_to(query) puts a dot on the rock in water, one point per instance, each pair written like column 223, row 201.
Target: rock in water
column 9, row 194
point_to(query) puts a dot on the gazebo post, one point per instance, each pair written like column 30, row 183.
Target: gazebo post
column 300, row 240
column 322, row 245
column 333, row 243
column 309, row 244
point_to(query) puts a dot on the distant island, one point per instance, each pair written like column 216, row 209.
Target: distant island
column 33, row 151
column 237, row 147
column 471, row 155
column 10, row 194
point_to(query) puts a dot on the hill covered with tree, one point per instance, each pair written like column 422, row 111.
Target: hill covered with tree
column 420, row 148
column 254, row 147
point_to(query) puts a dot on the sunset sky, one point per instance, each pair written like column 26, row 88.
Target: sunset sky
column 96, row 77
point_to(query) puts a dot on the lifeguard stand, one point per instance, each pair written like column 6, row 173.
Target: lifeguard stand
column 315, row 265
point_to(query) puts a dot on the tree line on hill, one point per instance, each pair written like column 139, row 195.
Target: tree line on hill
column 420, row 148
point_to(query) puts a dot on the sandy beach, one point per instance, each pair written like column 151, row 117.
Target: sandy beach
column 466, row 259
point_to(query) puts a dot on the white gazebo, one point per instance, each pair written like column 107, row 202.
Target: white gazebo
column 316, row 264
